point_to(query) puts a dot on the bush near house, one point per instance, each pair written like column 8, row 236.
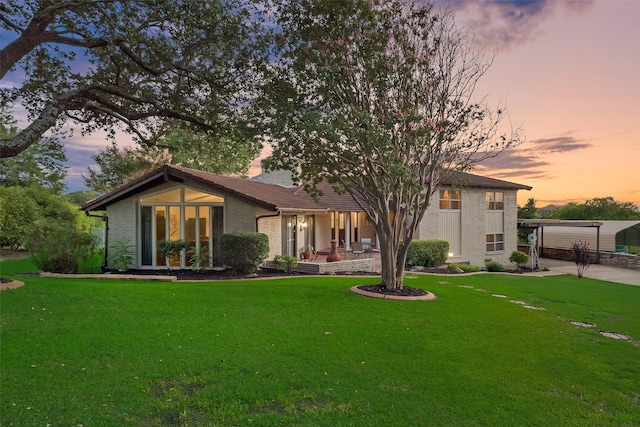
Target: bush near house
column 285, row 263
column 59, row 247
column 244, row 251
column 519, row 258
column 467, row 268
column 427, row 253
column 493, row 266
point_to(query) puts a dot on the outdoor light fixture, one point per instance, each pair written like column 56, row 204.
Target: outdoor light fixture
column 450, row 254
column 303, row 226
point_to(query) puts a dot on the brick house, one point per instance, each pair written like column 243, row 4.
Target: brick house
column 478, row 216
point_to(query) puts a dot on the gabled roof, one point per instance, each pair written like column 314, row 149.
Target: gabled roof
column 464, row 179
column 268, row 196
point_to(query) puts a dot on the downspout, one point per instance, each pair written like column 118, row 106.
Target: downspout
column 598, row 245
column 105, row 218
column 259, row 217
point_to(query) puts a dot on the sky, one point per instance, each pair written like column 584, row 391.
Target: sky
column 568, row 72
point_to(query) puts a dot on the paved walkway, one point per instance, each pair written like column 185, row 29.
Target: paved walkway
column 595, row 271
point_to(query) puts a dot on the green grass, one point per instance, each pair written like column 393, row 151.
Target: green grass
column 306, row 351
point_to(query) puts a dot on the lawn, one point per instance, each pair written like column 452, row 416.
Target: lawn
column 306, row 351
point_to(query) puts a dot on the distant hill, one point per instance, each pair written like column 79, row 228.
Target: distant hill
column 544, row 211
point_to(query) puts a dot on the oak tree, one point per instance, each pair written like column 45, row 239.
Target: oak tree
column 137, row 64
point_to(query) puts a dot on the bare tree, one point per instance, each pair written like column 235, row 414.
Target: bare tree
column 377, row 97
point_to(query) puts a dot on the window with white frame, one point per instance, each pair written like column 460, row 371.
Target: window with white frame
column 495, row 242
column 494, row 221
column 495, row 200
column 450, row 200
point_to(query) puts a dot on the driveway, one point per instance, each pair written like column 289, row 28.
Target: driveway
column 595, row 271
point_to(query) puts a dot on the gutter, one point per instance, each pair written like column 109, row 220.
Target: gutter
column 259, row 217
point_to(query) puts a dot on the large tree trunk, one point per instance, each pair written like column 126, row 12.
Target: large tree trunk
column 391, row 258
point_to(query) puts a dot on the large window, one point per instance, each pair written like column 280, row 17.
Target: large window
column 450, row 200
column 181, row 213
column 495, row 200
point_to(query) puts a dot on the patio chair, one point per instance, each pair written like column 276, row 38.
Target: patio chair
column 366, row 245
column 357, row 248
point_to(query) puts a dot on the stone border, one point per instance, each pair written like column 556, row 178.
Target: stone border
column 11, row 285
column 428, row 297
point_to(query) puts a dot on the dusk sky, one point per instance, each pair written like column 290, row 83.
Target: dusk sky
column 569, row 75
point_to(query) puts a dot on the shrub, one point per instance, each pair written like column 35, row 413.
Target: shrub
column 17, row 212
column 56, row 247
column 90, row 261
column 634, row 250
column 519, row 258
column 285, row 262
column 171, row 249
column 467, row 268
column 581, row 256
column 244, row 251
column 121, row 254
column 427, row 253
column 493, row 266
column 198, row 260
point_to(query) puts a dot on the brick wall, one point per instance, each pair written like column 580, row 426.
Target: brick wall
column 122, row 223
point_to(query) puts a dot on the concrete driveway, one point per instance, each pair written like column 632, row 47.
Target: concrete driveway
column 595, row 271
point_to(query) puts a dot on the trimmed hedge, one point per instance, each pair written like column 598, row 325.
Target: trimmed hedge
column 244, row 251
column 427, row 253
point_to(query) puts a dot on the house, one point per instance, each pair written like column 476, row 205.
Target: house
column 477, row 215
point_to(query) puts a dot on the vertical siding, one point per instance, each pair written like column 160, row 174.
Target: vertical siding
column 494, row 222
column 449, row 229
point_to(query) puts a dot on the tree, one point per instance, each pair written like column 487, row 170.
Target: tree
column 81, row 197
column 42, row 164
column 226, row 156
column 139, row 64
column 231, row 155
column 377, row 98
column 598, row 208
column 529, row 210
column 117, row 165
column 18, row 211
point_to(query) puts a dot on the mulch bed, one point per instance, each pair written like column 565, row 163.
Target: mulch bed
column 406, row 291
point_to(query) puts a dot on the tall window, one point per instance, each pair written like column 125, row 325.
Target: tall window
column 450, row 200
column 495, row 200
column 494, row 221
column 181, row 213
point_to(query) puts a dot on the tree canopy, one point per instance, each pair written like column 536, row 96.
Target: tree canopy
column 41, row 165
column 598, row 208
column 143, row 65
column 226, row 156
column 378, row 98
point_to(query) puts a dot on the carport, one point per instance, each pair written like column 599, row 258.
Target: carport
column 539, row 224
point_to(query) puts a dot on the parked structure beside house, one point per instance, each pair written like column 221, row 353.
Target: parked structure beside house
column 477, row 215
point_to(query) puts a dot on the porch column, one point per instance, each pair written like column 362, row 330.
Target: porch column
column 347, row 230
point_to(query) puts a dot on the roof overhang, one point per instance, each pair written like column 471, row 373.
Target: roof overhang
column 536, row 223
